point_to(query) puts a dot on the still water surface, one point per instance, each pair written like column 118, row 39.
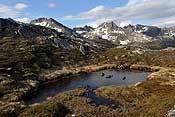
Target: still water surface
column 93, row 80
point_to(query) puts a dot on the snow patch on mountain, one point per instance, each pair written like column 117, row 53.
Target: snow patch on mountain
column 131, row 34
column 81, row 32
column 42, row 24
column 46, row 24
column 107, row 30
column 124, row 42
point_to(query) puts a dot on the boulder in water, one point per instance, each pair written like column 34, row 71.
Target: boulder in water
column 110, row 76
column 124, row 78
column 102, row 74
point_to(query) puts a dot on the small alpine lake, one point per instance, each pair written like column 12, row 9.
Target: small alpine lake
column 93, row 80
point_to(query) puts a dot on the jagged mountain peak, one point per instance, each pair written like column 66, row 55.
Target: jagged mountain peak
column 151, row 31
column 83, row 30
column 108, row 25
column 53, row 24
column 84, row 27
column 49, row 20
column 107, row 30
column 89, row 28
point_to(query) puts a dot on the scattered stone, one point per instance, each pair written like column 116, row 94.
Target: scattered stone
column 171, row 113
column 48, row 98
column 124, row 78
column 73, row 115
column 110, row 76
column 103, row 74
column 116, row 58
column 9, row 68
column 33, row 83
column 138, row 83
column 123, row 56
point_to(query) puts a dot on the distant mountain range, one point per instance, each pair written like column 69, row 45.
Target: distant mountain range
column 108, row 33
column 130, row 35
column 50, row 30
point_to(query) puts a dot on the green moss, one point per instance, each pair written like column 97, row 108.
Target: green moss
column 162, row 58
column 147, row 99
column 45, row 110
column 53, row 107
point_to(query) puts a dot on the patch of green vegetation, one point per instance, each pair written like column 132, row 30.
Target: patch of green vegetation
column 148, row 99
column 54, row 107
column 45, row 110
column 1, row 91
column 120, row 56
column 76, row 105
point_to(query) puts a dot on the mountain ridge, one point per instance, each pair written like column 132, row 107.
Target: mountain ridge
column 53, row 24
column 134, row 35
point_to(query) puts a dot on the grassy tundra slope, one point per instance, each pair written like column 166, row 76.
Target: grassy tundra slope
column 27, row 62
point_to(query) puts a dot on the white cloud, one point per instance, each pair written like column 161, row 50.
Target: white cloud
column 132, row 2
column 96, row 23
column 7, row 11
column 96, row 12
column 134, row 10
column 125, row 23
column 11, row 11
column 168, row 22
column 24, row 20
column 51, row 5
column 20, row 6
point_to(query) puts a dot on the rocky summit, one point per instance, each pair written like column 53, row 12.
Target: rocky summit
column 53, row 24
column 83, row 30
column 44, row 52
column 151, row 31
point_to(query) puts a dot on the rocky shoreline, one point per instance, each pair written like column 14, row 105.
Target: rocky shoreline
column 159, row 87
column 156, row 76
column 58, row 74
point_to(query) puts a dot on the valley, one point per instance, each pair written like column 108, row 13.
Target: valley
column 43, row 52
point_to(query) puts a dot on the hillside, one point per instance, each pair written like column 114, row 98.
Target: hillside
column 45, row 51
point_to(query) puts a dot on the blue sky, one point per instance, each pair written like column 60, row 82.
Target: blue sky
column 92, row 12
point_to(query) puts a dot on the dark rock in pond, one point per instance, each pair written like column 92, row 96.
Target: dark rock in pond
column 124, row 78
column 110, row 76
column 103, row 74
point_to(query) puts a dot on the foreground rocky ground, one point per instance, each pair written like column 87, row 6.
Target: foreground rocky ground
column 154, row 97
